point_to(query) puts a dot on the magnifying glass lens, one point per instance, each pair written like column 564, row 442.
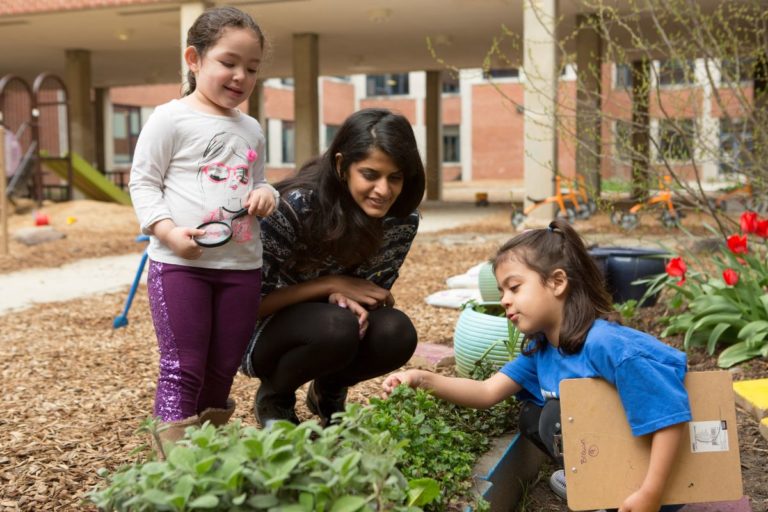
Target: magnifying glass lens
column 216, row 233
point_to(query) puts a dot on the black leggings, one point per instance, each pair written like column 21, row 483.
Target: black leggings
column 321, row 341
column 541, row 425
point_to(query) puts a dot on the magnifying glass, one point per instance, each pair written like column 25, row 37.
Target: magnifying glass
column 218, row 232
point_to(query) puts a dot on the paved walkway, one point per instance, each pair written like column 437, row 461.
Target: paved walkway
column 23, row 289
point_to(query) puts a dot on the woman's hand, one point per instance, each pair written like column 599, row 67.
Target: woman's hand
column 179, row 239
column 360, row 290
column 411, row 378
column 261, row 202
column 359, row 311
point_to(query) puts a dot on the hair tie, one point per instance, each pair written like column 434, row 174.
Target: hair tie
column 551, row 228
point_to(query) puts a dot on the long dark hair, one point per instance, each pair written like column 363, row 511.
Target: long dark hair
column 336, row 225
column 207, row 29
column 559, row 246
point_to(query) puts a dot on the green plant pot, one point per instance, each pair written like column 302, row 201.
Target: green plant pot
column 486, row 281
column 477, row 333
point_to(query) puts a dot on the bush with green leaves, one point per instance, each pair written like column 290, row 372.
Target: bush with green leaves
column 345, row 468
column 729, row 306
column 443, row 441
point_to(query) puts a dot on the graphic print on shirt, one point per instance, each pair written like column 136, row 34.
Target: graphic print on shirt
column 224, row 172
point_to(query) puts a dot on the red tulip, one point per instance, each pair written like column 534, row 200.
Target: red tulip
column 762, row 228
column 730, row 276
column 737, row 244
column 677, row 268
column 748, row 222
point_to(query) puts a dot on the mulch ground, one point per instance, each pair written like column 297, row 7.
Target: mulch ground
column 75, row 389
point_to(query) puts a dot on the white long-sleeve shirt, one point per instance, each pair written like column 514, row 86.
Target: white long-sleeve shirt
column 194, row 167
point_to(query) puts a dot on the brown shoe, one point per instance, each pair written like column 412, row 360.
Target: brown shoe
column 326, row 403
column 170, row 432
column 218, row 417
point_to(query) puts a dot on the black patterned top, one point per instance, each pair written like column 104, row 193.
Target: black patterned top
column 281, row 235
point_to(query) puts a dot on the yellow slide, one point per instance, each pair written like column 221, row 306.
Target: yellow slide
column 89, row 181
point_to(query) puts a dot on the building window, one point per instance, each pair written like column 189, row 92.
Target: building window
column 623, row 76
column 451, row 83
column 126, row 125
column 622, row 140
column 330, row 132
column 736, row 145
column 387, row 85
column 288, row 139
column 451, row 144
column 676, row 72
column 676, row 137
column 737, row 71
column 501, row 73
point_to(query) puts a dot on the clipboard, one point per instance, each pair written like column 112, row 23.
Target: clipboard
column 604, row 463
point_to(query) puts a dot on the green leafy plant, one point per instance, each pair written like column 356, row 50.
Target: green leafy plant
column 627, row 309
column 442, row 440
column 348, row 467
column 729, row 306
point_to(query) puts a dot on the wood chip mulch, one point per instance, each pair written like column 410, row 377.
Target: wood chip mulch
column 75, row 389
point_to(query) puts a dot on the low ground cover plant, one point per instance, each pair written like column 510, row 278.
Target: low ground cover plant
column 407, row 453
column 728, row 306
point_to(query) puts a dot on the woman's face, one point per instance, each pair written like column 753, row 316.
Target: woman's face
column 374, row 183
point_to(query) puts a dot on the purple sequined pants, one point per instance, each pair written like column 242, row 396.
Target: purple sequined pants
column 203, row 319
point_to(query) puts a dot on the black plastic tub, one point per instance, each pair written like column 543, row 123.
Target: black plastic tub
column 621, row 266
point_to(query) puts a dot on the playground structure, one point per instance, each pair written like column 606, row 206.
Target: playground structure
column 37, row 119
column 572, row 203
column 743, row 194
column 670, row 216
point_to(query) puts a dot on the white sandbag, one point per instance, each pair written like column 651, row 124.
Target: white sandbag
column 453, row 298
column 468, row 279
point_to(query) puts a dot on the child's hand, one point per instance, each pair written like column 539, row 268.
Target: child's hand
column 181, row 241
column 641, row 501
column 261, row 202
column 408, row 377
column 359, row 311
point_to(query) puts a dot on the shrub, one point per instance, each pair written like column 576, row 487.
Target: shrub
column 287, row 468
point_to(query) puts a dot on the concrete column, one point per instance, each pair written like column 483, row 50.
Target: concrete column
column 434, row 135
column 188, row 13
column 305, row 97
column 256, row 104
column 540, row 64
column 466, row 82
column 707, row 138
column 274, row 139
column 101, row 97
column 109, row 140
column 589, row 62
column 359, row 84
column 417, row 82
column 641, row 128
column 78, row 79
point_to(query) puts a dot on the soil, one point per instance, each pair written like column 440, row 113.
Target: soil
column 75, row 389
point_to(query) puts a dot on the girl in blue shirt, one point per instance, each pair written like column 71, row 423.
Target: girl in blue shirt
column 553, row 292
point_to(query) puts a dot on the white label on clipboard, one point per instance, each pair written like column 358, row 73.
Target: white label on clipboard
column 709, row 436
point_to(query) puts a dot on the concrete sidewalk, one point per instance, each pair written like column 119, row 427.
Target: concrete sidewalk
column 23, row 289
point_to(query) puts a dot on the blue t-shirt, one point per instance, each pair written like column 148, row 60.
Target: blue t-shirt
column 647, row 374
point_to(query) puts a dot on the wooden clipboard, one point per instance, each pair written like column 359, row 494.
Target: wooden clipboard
column 605, row 463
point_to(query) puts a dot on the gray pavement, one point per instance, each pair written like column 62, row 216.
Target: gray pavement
column 23, row 289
